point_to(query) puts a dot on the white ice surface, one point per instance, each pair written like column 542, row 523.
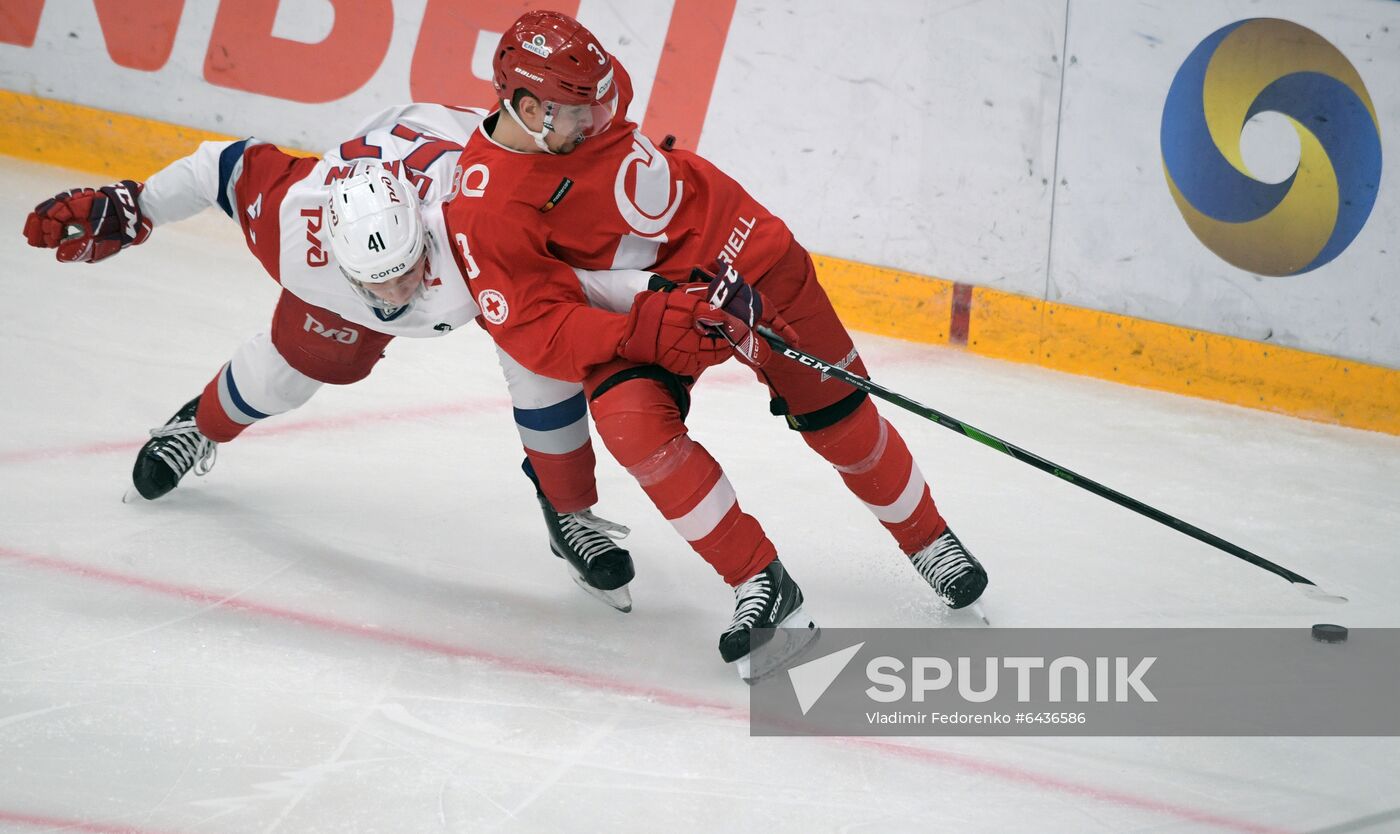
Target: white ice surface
column 353, row 623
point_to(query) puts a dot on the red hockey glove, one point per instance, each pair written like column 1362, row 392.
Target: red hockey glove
column 735, row 310
column 88, row 224
column 662, row 330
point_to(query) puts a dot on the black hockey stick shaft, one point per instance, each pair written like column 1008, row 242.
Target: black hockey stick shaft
column 776, row 342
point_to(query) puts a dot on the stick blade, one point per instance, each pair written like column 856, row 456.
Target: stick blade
column 1316, row 594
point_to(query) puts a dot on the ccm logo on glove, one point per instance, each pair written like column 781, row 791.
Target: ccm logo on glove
column 89, row 225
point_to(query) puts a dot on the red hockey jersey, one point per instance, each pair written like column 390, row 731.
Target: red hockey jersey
column 521, row 220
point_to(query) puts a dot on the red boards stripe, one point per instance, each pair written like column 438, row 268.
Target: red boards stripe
column 962, row 312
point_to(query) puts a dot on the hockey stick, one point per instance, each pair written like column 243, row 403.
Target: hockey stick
column 1307, row 586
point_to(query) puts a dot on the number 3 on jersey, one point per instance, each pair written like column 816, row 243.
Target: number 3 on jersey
column 467, row 260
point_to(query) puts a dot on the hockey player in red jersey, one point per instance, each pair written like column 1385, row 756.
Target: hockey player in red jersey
column 357, row 243
column 564, row 179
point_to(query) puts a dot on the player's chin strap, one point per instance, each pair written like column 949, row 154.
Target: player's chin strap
column 537, row 136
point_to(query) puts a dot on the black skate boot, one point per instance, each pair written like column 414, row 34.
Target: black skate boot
column 173, row 450
column 771, row 599
column 951, row 571
column 585, row 542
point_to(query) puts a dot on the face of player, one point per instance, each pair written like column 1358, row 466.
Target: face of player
column 401, row 289
column 570, row 124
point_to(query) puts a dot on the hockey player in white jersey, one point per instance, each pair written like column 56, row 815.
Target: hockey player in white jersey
column 357, row 241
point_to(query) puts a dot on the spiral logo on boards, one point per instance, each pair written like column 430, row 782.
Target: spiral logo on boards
column 1272, row 228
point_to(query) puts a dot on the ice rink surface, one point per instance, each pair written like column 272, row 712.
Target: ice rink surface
column 354, row 624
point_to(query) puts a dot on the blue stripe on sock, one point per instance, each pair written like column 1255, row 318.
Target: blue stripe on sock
column 227, row 160
column 553, row 417
column 238, row 400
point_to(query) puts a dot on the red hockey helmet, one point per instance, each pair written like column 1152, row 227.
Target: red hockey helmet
column 556, row 60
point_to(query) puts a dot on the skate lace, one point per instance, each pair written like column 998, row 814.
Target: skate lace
column 751, row 598
column 942, row 562
column 590, row 536
column 183, row 448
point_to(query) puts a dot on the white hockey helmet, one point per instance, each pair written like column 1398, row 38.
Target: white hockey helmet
column 377, row 236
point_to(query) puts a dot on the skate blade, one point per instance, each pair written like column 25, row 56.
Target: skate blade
column 792, row 641
column 975, row 609
column 131, row 496
column 619, row 599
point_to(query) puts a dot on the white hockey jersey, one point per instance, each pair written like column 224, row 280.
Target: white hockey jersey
column 279, row 201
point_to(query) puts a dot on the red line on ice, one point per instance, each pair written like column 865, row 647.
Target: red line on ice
column 56, row 824
column 955, row 761
column 371, row 632
column 498, row 405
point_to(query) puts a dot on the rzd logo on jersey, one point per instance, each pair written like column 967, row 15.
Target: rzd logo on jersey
column 1303, row 221
column 344, row 335
column 315, row 255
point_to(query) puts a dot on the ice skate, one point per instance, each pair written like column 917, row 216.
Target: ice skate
column 951, row 571
column 173, row 450
column 586, row 543
column 771, row 599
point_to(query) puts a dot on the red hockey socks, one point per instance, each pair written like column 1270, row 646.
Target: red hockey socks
column 639, row 422
column 872, row 459
column 566, row 479
column 255, row 384
column 214, row 418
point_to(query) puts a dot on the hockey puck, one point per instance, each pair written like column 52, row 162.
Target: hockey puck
column 1328, row 633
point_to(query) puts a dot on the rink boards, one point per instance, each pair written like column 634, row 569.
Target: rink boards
column 1006, row 164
